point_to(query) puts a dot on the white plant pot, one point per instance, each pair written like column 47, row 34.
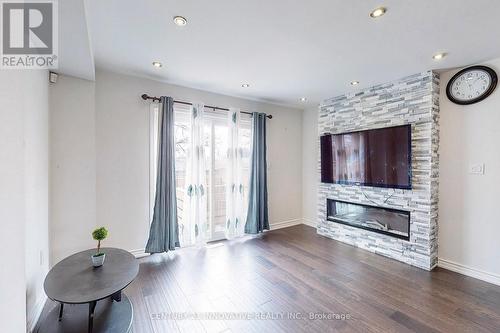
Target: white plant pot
column 97, row 261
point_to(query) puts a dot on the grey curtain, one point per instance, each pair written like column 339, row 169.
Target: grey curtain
column 164, row 232
column 257, row 218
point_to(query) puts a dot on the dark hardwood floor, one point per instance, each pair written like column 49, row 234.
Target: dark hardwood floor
column 293, row 270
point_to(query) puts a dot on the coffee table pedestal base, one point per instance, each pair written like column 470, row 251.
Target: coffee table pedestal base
column 109, row 317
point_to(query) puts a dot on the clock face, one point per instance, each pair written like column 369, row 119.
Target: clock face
column 471, row 85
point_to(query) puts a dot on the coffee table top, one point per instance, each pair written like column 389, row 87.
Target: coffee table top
column 74, row 280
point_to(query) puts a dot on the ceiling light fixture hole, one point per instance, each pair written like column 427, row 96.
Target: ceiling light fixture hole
column 377, row 12
column 180, row 21
column 439, row 56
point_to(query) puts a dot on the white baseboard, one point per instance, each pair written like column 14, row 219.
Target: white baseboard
column 139, row 253
column 469, row 271
column 309, row 222
column 32, row 318
column 284, row 224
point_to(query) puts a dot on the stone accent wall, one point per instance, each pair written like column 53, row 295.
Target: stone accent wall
column 412, row 100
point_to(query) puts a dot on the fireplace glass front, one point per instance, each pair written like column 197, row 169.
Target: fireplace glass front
column 387, row 221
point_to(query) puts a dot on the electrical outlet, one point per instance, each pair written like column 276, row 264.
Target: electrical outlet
column 476, row 169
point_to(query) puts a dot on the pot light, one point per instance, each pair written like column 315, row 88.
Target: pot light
column 157, row 64
column 439, row 56
column 377, row 12
column 245, row 85
column 303, row 99
column 354, row 83
column 180, row 21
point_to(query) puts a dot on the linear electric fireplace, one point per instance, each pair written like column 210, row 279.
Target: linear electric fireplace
column 387, row 221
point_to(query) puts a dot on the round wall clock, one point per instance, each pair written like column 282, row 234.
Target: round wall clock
column 471, row 85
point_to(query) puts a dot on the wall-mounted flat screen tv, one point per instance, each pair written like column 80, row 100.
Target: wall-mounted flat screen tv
column 378, row 157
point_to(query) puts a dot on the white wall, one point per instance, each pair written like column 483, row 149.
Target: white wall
column 37, row 191
column 469, row 223
column 72, row 166
column 12, row 197
column 23, row 196
column 310, row 157
column 122, row 159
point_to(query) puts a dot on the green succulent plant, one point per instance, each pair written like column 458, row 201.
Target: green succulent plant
column 99, row 234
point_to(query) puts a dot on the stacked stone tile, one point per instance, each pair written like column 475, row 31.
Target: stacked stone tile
column 412, row 100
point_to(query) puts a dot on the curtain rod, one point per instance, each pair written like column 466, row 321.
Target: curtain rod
column 154, row 98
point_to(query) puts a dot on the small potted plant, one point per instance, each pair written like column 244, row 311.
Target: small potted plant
column 99, row 234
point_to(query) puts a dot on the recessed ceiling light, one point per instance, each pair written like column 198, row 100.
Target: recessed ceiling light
column 245, row 85
column 377, row 12
column 303, row 99
column 439, row 56
column 157, row 64
column 354, row 83
column 180, row 21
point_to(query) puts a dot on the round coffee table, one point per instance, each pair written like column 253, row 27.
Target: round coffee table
column 74, row 281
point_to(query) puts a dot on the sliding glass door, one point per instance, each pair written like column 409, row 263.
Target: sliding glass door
column 215, row 143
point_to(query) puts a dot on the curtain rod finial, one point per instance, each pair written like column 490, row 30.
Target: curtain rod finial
column 144, row 96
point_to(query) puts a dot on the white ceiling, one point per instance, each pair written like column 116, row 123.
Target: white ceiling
column 287, row 49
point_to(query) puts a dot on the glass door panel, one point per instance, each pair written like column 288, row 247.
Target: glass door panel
column 182, row 132
column 215, row 142
column 220, row 144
